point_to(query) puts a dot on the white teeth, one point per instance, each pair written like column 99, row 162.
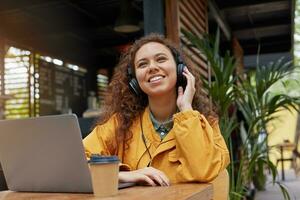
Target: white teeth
column 155, row 78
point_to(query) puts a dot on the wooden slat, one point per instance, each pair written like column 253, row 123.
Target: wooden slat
column 196, row 52
column 185, row 24
column 201, row 5
column 194, row 49
column 200, row 69
column 197, row 61
column 192, row 18
column 192, row 12
column 201, row 10
column 190, row 15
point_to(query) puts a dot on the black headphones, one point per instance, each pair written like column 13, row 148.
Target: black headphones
column 181, row 80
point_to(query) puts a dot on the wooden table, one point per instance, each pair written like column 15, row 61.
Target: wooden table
column 191, row 191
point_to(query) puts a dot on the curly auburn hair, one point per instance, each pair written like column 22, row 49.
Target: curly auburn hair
column 127, row 106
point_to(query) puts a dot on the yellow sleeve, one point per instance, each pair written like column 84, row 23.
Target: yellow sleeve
column 200, row 148
column 102, row 141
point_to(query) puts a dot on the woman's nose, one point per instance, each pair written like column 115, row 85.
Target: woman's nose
column 153, row 66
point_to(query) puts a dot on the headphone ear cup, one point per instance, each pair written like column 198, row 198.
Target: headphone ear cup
column 135, row 87
column 181, row 80
column 133, row 83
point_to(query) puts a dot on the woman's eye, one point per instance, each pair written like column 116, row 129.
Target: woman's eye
column 142, row 65
column 161, row 59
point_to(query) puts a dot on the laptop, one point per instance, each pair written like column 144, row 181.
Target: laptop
column 45, row 154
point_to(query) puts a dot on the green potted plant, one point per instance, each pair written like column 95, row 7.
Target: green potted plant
column 222, row 93
column 256, row 105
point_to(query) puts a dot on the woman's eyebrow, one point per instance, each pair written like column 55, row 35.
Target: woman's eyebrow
column 160, row 54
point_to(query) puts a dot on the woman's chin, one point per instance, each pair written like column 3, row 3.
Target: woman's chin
column 160, row 93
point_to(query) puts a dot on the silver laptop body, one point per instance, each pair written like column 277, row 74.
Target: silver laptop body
column 44, row 154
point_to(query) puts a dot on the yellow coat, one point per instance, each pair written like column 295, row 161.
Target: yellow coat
column 193, row 150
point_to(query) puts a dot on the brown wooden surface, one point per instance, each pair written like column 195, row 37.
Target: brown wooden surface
column 175, row 192
column 172, row 21
column 193, row 17
column 190, row 15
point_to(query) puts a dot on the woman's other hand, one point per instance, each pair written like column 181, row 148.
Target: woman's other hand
column 147, row 175
column 185, row 98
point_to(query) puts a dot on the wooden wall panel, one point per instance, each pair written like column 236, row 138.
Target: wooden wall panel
column 172, row 20
column 190, row 15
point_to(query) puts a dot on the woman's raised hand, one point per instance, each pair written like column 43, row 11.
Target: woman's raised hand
column 147, row 175
column 185, row 98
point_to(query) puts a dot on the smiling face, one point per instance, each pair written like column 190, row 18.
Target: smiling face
column 155, row 69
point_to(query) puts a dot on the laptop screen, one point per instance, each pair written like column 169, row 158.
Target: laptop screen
column 44, row 154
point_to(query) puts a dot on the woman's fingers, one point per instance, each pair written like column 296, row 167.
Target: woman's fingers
column 189, row 76
column 165, row 179
column 180, row 91
column 156, row 175
column 136, row 177
column 146, row 179
column 185, row 99
column 160, row 177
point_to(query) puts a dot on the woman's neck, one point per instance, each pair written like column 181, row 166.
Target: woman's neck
column 163, row 107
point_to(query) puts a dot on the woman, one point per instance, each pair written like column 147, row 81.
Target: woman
column 156, row 120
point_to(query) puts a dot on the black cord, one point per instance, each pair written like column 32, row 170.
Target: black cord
column 144, row 140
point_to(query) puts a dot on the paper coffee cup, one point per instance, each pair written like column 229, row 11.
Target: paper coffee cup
column 104, row 173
